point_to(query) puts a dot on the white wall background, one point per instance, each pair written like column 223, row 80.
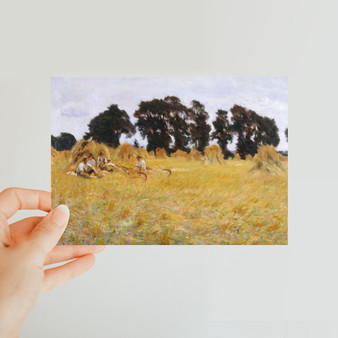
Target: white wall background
column 244, row 292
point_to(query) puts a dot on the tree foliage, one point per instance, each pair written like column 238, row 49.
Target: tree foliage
column 63, row 142
column 252, row 130
column 153, row 123
column 108, row 126
column 222, row 132
column 178, row 115
column 199, row 127
column 163, row 121
column 169, row 124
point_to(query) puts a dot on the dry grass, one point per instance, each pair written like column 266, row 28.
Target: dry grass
column 195, row 205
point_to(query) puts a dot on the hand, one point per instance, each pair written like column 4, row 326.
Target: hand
column 26, row 247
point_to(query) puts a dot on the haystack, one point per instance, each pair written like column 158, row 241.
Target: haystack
column 111, row 152
column 161, row 153
column 283, row 158
column 267, row 160
column 64, row 155
column 125, row 152
column 53, row 152
column 195, row 155
column 85, row 148
column 213, row 155
column 142, row 152
column 237, row 157
column 180, row 153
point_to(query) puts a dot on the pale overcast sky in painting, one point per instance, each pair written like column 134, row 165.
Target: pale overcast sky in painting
column 75, row 101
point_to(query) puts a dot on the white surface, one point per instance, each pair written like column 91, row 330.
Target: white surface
column 244, row 292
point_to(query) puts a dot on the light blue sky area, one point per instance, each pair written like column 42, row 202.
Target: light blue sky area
column 75, row 101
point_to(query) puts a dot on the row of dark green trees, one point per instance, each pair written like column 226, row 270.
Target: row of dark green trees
column 168, row 123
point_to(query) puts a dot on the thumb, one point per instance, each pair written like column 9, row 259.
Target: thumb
column 48, row 232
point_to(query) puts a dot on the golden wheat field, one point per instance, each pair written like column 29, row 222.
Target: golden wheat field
column 197, row 204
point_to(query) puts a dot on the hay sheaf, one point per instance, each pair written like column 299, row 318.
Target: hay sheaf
column 213, row 155
column 195, row 155
column 283, row 158
column 151, row 153
column 125, row 152
column 180, row 153
column 237, row 157
column 64, row 154
column 142, row 152
column 112, row 152
column 161, row 153
column 53, row 152
column 267, row 160
column 85, row 148
column 248, row 157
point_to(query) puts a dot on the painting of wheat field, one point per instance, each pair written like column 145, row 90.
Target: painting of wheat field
column 171, row 161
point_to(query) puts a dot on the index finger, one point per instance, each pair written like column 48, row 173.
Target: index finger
column 14, row 199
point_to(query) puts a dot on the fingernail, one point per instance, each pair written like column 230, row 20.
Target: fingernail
column 60, row 215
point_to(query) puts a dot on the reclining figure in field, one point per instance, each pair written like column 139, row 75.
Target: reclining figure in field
column 85, row 169
column 90, row 150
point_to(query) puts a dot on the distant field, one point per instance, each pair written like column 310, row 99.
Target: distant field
column 197, row 204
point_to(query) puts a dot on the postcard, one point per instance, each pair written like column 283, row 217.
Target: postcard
column 171, row 161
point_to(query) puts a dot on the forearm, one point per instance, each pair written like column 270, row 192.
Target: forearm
column 9, row 324
column 9, row 332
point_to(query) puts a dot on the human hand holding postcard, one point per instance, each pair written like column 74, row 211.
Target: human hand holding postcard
column 171, row 161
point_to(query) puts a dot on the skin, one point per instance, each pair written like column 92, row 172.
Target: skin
column 26, row 247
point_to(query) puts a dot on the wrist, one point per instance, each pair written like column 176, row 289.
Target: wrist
column 8, row 333
column 8, row 329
